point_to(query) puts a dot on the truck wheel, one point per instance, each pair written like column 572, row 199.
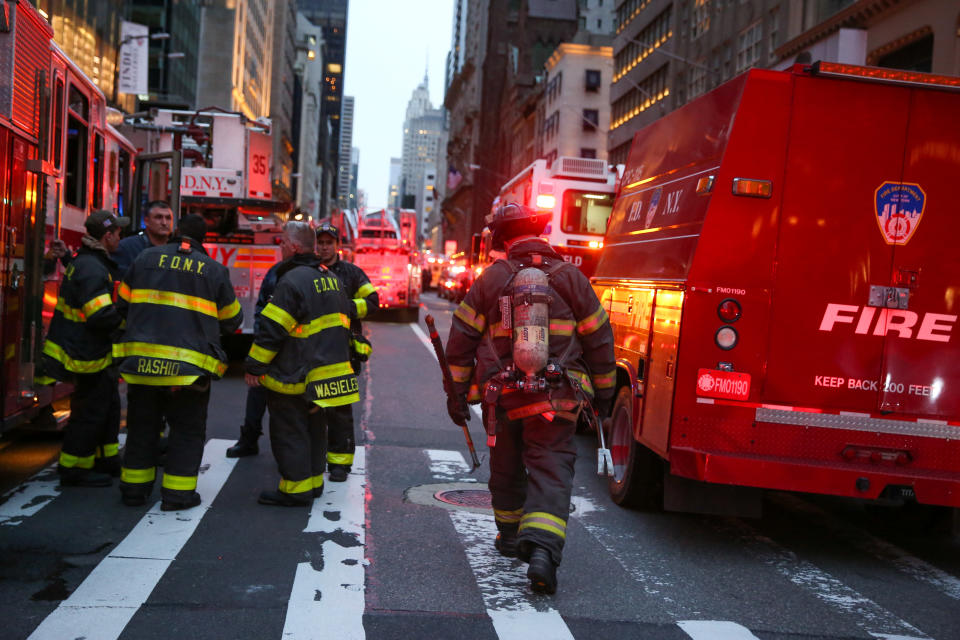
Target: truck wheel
column 637, row 479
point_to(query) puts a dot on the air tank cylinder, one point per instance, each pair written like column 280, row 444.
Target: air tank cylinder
column 531, row 321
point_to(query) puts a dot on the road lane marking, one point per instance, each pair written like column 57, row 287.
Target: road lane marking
column 477, row 411
column 516, row 613
column 104, row 603
column 715, row 630
column 863, row 612
column 330, row 603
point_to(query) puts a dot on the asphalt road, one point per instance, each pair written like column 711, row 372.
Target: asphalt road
column 380, row 557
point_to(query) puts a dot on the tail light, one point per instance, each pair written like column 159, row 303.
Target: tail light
column 726, row 338
column 546, row 201
column 752, row 188
column 729, row 310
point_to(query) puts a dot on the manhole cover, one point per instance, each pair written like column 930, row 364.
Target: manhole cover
column 476, row 498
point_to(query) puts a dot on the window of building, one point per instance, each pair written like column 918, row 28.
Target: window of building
column 647, row 93
column 591, row 119
column 638, row 48
column 773, row 33
column 916, row 56
column 588, row 153
column 696, row 80
column 748, row 46
column 592, row 79
column 701, row 18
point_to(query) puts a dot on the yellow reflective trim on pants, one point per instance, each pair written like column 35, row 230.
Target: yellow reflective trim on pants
column 473, row 393
column 279, row 316
column 56, row 352
column 229, row 311
column 260, row 354
column 361, row 305
column 70, row 313
column 508, row 517
column 286, row 388
column 138, row 476
column 365, row 290
column 108, row 450
column 150, row 350
column 319, row 324
column 460, row 374
column 317, row 482
column 545, row 522
column 95, row 304
column 583, row 379
column 44, row 380
column 179, row 483
column 297, row 486
column 173, row 299
column 340, row 458
column 80, row 462
column 470, row 317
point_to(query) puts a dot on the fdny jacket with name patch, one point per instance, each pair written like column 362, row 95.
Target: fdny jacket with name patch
column 581, row 340
column 177, row 301
column 364, row 297
column 303, row 344
column 85, row 316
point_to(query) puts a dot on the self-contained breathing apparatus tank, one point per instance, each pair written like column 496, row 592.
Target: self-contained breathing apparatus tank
column 530, row 304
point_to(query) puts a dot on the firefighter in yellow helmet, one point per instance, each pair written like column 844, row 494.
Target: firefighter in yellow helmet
column 301, row 354
column 177, row 302
column 530, row 413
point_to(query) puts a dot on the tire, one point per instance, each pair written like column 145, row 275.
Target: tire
column 637, row 479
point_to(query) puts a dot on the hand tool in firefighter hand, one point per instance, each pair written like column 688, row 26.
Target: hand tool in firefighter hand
column 604, row 459
column 448, row 383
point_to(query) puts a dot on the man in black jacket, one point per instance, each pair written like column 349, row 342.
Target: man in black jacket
column 301, row 354
column 532, row 453
column 363, row 296
column 77, row 350
column 177, row 302
column 158, row 225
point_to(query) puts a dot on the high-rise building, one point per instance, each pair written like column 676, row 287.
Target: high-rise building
column 172, row 77
column 236, row 56
column 393, row 192
column 331, row 17
column 422, row 138
column 308, row 89
column 354, row 175
column 281, row 98
column 345, row 159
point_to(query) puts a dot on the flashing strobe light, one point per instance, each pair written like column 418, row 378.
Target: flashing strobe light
column 596, row 244
column 546, row 201
column 729, row 310
column 892, row 76
column 726, row 338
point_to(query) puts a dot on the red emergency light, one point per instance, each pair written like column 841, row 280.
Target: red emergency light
column 892, row 76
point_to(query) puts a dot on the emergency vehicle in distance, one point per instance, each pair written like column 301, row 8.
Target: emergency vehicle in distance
column 783, row 303
column 386, row 250
column 60, row 160
column 579, row 192
column 226, row 178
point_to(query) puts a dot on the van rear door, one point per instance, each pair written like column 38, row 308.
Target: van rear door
column 846, row 139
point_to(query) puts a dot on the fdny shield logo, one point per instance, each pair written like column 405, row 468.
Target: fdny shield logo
column 899, row 208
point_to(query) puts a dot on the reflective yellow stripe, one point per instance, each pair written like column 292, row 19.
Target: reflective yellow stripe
column 286, row 388
column 95, row 304
column 546, row 406
column 330, row 371
column 460, row 374
column 337, row 401
column 508, row 516
column 340, row 458
column 365, row 290
column 317, row 482
column 138, row 476
column 230, row 310
column 260, row 354
column 70, row 313
column 44, row 380
column 159, row 381
column 361, row 307
column 297, row 486
column 606, row 380
column 498, row 331
column 173, row 299
column 79, row 462
column 362, row 348
column 110, row 450
column 279, row 316
column 150, row 350
column 561, row 327
column 592, row 322
column 123, row 290
column 583, row 379
column 179, row 483
column 56, row 352
column 319, row 324
column 544, row 521
column 470, row 317
column 473, row 393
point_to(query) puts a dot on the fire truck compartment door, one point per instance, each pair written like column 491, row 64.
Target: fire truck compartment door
column 921, row 362
column 661, row 369
column 846, row 139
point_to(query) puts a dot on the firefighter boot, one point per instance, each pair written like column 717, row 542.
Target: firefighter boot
column 243, row 448
column 188, row 503
column 338, row 473
column 281, row 499
column 506, row 544
column 542, row 571
column 73, row 477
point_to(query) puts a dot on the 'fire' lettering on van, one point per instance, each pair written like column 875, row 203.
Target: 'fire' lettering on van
column 899, row 323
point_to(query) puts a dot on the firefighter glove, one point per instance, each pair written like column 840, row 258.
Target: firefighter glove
column 457, row 408
column 603, row 406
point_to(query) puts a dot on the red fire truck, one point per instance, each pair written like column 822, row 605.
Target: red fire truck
column 579, row 192
column 784, row 295
column 386, row 250
column 59, row 161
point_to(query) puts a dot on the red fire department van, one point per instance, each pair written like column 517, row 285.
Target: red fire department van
column 386, row 251
column 784, row 293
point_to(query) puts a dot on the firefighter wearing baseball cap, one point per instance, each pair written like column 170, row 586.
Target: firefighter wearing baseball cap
column 177, row 302
column 363, row 296
column 77, row 350
column 530, row 417
column 301, row 354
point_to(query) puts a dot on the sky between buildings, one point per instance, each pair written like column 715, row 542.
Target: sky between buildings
column 389, row 46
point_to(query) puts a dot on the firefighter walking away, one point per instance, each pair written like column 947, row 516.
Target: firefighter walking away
column 177, row 302
column 533, row 343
